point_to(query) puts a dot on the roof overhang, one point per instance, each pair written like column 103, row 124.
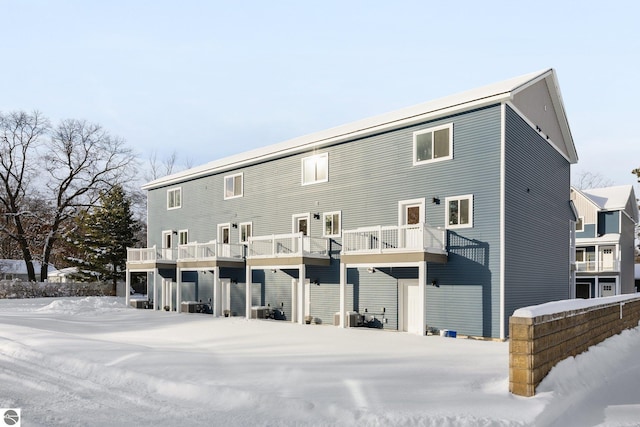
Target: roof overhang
column 477, row 98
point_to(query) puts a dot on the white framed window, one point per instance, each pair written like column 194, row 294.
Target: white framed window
column 246, row 231
column 580, row 224
column 332, row 222
column 459, row 211
column 233, row 186
column 183, row 237
column 315, row 169
column 174, row 198
column 433, row 144
column 581, row 255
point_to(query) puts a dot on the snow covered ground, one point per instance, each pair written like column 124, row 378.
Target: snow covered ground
column 94, row 361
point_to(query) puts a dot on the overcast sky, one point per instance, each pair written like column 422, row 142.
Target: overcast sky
column 208, row 79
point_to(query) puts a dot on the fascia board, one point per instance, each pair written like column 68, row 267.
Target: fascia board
column 533, row 126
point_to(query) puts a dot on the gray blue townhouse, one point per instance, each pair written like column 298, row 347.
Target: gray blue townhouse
column 605, row 241
column 450, row 214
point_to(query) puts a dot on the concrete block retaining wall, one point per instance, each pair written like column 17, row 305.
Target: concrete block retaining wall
column 541, row 336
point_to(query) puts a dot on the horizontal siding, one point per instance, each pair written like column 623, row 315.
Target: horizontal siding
column 589, row 232
column 325, row 301
column 367, row 179
column 537, row 217
column 456, row 307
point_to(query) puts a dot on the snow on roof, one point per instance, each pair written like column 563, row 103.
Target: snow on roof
column 610, row 198
column 474, row 98
column 18, row 266
column 63, row 271
column 614, row 198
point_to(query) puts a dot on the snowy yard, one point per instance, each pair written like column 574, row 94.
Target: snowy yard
column 94, row 361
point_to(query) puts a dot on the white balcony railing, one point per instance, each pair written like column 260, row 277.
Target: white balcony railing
column 597, row 266
column 210, row 250
column 287, row 245
column 388, row 239
column 152, row 254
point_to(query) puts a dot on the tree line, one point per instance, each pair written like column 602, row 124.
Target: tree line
column 63, row 195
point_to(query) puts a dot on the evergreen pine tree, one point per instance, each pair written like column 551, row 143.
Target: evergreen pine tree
column 106, row 232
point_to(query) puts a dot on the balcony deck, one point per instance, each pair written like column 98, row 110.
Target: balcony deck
column 394, row 244
column 191, row 255
column 287, row 249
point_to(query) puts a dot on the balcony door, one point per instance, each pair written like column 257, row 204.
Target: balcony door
column 607, row 258
column 410, row 212
column 224, row 238
column 301, row 225
column 167, row 244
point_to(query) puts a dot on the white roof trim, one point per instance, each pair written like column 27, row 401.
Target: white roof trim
column 475, row 98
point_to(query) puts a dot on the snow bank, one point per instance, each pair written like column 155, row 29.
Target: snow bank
column 94, row 361
column 89, row 305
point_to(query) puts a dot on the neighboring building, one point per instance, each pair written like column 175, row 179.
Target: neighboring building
column 64, row 275
column 637, row 277
column 605, row 241
column 16, row 269
column 447, row 215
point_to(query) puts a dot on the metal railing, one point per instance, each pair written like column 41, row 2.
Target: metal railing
column 287, row 245
column 210, row 250
column 387, row 239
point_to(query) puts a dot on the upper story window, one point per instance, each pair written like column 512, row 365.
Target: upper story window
column 433, row 144
column 459, row 211
column 580, row 224
column 246, row 231
column 174, row 198
column 315, row 169
column 233, row 186
column 332, row 222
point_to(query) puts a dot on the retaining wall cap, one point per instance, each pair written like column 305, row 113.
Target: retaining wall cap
column 555, row 307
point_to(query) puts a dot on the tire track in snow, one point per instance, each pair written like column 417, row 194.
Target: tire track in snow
column 69, row 390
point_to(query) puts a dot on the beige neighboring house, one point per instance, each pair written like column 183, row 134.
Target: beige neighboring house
column 16, row 269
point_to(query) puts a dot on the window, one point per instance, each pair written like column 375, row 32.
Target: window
column 332, row 222
column 233, row 186
column 460, row 212
column 183, row 237
column 246, row 230
column 580, row 224
column 580, row 255
column 315, row 169
column 433, row 144
column 174, row 198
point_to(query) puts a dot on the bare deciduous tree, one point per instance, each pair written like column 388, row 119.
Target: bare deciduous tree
column 159, row 169
column 48, row 174
column 587, row 180
column 21, row 134
column 81, row 161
